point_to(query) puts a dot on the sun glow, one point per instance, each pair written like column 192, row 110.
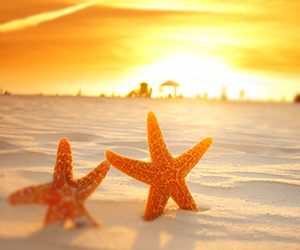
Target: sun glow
column 196, row 74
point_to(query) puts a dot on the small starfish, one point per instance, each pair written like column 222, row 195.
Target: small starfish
column 64, row 196
column 165, row 174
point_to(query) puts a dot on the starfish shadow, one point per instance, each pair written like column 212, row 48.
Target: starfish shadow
column 168, row 232
column 53, row 236
column 184, row 230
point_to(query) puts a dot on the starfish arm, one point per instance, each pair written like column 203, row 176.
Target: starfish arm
column 156, row 143
column 87, row 184
column 31, row 195
column 69, row 210
column 55, row 213
column 181, row 195
column 137, row 169
column 157, row 200
column 187, row 160
column 63, row 171
column 81, row 217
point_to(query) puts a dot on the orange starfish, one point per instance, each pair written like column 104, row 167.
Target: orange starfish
column 64, row 196
column 165, row 174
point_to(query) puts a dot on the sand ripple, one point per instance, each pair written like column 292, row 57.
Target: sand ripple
column 247, row 185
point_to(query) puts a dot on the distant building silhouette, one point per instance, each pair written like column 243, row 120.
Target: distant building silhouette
column 143, row 88
column 143, row 91
column 169, row 83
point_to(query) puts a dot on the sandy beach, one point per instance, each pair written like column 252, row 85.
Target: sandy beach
column 247, row 186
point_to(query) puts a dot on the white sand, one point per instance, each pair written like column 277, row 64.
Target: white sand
column 247, row 185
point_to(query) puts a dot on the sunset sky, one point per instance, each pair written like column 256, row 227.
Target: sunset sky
column 60, row 46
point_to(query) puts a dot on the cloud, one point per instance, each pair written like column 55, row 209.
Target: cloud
column 43, row 17
column 103, row 40
column 277, row 61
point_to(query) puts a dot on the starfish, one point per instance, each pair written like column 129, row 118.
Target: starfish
column 64, row 196
column 164, row 173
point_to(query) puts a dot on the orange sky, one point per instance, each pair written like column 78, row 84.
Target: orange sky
column 105, row 46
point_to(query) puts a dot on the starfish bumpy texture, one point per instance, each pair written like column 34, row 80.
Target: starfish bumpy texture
column 64, row 196
column 165, row 174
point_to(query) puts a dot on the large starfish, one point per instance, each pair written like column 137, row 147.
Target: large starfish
column 64, row 196
column 165, row 174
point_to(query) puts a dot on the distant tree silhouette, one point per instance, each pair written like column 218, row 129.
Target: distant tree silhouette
column 297, row 98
